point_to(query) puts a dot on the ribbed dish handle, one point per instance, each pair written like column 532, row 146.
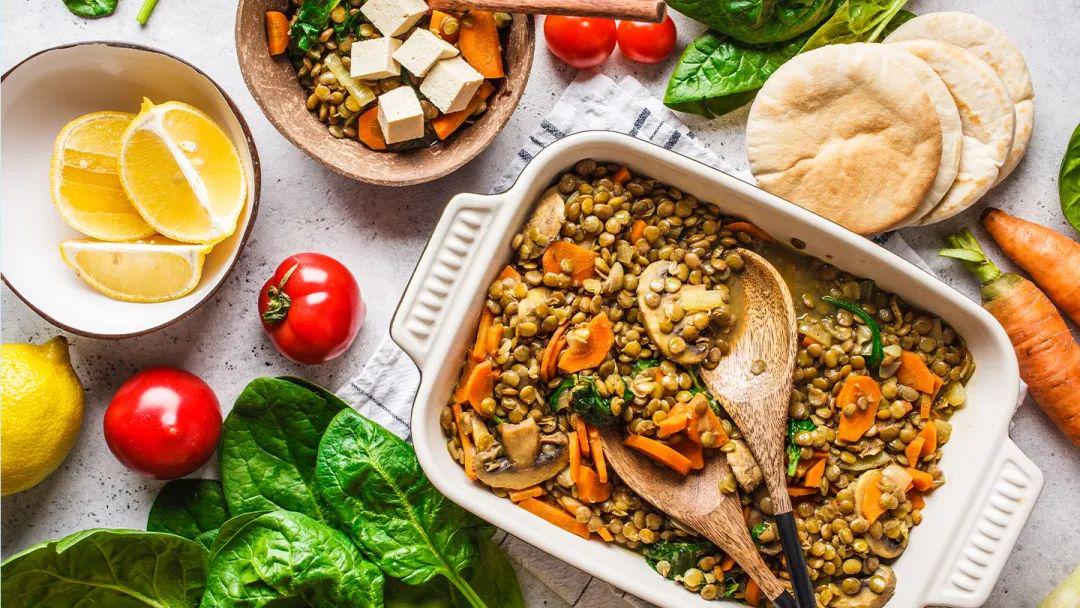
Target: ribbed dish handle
column 445, row 261
column 995, row 523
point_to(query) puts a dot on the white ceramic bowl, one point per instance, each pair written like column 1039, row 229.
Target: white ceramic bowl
column 971, row 523
column 40, row 95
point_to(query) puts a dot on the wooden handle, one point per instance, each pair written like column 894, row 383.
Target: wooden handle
column 737, row 544
column 632, row 10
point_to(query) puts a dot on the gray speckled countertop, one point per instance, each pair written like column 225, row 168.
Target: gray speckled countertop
column 379, row 233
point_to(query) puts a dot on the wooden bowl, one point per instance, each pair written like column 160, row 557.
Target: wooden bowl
column 273, row 83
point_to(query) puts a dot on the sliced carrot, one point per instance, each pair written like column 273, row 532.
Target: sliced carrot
column 871, row 507
column 796, row 491
column 621, row 176
column 277, row 32
column 598, row 454
column 592, row 352
column 925, row 405
column 509, row 272
column 446, row 124
column 480, row 346
column 436, row 26
column 807, row 341
column 659, row 452
column 853, row 427
column 481, row 384
column 461, row 392
column 589, row 487
column 550, row 357
column 582, row 434
column 814, row 474
column 707, row 421
column 917, row 500
column 581, row 260
column 467, row 449
column 605, row 534
column 753, row 592
column 493, row 338
column 750, row 229
column 369, row 131
column 929, row 435
column 692, row 451
column 555, row 515
column 914, row 450
column 921, row 480
column 478, row 39
column 575, row 456
column 728, row 563
column 637, row 231
column 672, row 424
column 913, row 372
column 530, row 492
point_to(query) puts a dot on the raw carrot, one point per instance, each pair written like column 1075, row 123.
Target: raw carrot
column 855, row 387
column 446, row 124
column 590, row 489
column 581, row 260
column 530, row 492
column 921, row 480
column 814, row 474
column 478, row 39
column 913, row 451
column 659, row 452
column 929, row 436
column 467, row 449
column 582, row 434
column 598, row 454
column 436, row 26
column 277, row 32
column 692, row 451
column 555, row 515
column 871, row 507
column 1049, row 357
column 369, row 131
column 913, row 372
column 575, row 456
column 753, row 592
column 750, row 229
column 480, row 346
column 637, row 231
column 593, row 350
column 621, row 176
column 481, row 384
column 1052, row 259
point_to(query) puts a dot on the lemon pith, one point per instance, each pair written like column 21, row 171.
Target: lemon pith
column 149, row 271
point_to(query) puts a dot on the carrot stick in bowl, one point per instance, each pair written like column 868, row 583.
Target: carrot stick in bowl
column 1049, row 357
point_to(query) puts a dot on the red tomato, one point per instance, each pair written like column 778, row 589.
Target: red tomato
column 647, row 42
column 311, row 308
column 581, row 42
column 164, row 423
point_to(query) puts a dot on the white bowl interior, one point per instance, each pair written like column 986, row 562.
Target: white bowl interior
column 979, row 428
column 39, row 97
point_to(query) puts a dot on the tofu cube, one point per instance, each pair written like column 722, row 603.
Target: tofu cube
column 451, row 84
column 374, row 59
column 400, row 116
column 394, row 17
column 422, row 50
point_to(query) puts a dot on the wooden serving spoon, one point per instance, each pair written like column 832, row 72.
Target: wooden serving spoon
column 697, row 501
column 753, row 385
column 633, row 10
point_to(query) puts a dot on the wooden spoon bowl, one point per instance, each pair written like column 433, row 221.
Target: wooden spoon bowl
column 274, row 85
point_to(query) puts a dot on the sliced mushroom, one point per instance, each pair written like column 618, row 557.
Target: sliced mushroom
column 886, row 547
column 866, row 598
column 552, row 458
column 521, row 440
column 743, row 465
column 900, row 478
column 866, row 463
column 691, row 348
column 544, row 225
column 533, row 298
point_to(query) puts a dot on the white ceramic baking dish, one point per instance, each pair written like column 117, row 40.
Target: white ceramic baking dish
column 971, row 523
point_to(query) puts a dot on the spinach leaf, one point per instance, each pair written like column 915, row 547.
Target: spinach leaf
column 114, row 568
column 493, row 578
column 589, row 403
column 91, row 9
column 560, row 397
column 758, row 530
column 752, row 22
column 230, row 529
column 192, row 508
column 793, row 451
column 643, row 364
column 1069, row 181
column 432, row 594
column 900, row 18
column 716, row 74
column 681, row 555
column 372, row 480
column 269, row 444
column 855, row 21
column 283, row 556
column 312, row 18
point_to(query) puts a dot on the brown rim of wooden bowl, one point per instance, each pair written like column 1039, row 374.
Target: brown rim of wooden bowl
column 272, row 82
column 256, row 192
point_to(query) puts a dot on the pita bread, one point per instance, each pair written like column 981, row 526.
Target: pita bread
column 986, row 113
column 846, row 132
column 952, row 133
column 991, row 45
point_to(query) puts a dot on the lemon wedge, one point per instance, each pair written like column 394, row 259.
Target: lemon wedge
column 85, row 183
column 155, row 270
column 182, row 173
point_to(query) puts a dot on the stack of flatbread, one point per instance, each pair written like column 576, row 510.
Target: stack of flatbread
column 881, row 136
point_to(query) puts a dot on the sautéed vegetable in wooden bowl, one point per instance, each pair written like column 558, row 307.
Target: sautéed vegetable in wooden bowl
column 274, row 83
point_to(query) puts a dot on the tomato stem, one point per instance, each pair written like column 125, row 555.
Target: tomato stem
column 277, row 307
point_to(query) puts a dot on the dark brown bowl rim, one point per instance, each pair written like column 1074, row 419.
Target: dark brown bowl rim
column 256, row 191
column 286, row 133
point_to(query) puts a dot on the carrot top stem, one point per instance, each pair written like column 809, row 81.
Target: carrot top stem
column 965, row 247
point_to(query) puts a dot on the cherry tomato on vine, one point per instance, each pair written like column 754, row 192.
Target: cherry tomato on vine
column 311, row 308
column 581, row 42
column 647, row 42
column 163, row 422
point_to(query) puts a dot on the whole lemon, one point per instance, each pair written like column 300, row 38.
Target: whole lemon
column 41, row 411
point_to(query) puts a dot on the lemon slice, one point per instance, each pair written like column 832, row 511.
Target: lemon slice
column 182, row 173
column 85, row 183
column 148, row 271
